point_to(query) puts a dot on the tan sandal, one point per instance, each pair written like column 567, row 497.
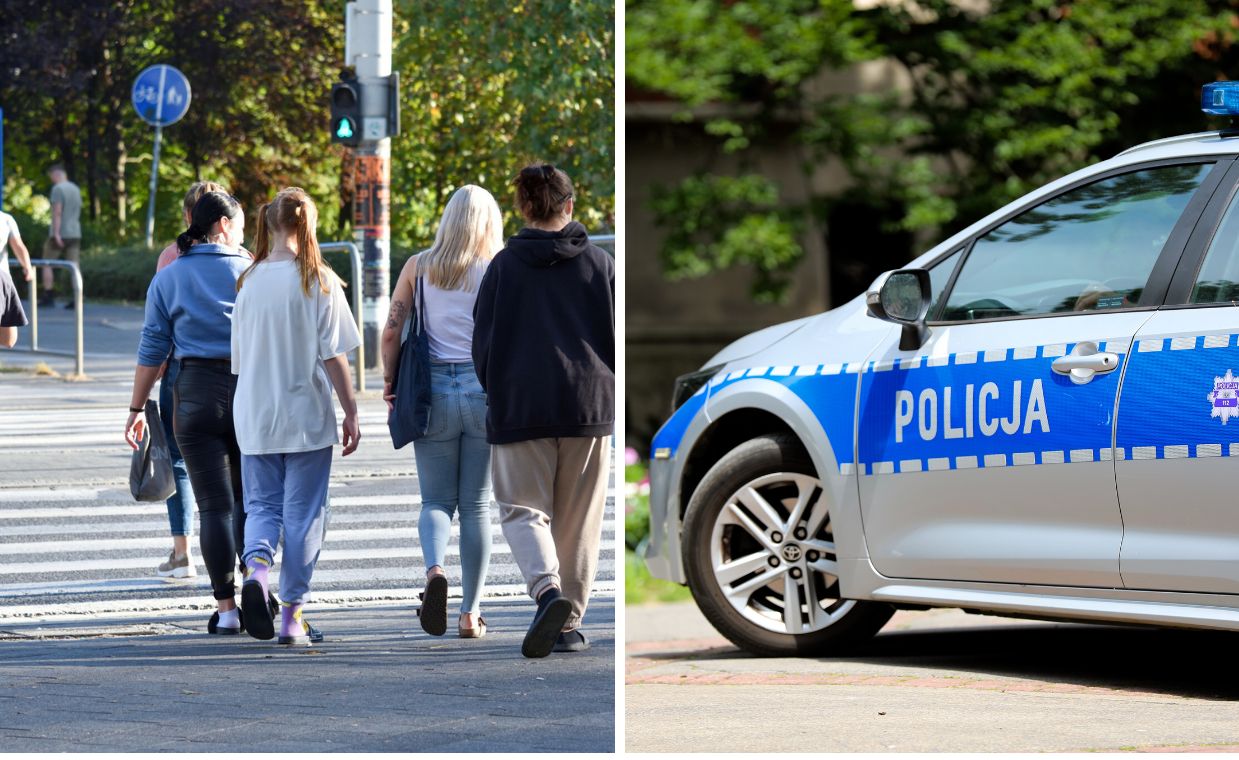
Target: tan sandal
column 473, row 633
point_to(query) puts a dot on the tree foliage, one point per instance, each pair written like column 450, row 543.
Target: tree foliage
column 483, row 90
column 999, row 99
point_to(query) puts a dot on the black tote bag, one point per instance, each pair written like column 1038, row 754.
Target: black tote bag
column 410, row 417
column 150, row 470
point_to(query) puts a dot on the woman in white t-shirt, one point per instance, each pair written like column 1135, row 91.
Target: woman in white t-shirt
column 291, row 331
column 453, row 458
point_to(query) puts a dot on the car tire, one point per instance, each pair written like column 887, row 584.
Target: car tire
column 770, row 471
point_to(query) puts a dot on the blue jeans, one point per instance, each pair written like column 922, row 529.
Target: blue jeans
column 181, row 503
column 287, row 493
column 453, row 471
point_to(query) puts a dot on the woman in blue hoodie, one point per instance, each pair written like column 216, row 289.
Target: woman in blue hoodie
column 189, row 318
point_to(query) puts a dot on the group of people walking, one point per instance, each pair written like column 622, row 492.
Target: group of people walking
column 250, row 346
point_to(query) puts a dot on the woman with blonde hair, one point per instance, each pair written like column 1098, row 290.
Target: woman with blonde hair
column 453, row 458
column 291, row 333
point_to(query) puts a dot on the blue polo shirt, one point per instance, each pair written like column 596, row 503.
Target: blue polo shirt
column 189, row 306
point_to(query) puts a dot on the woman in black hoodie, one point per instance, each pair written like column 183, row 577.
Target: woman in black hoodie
column 544, row 350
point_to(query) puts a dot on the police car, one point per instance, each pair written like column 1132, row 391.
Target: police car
column 1033, row 418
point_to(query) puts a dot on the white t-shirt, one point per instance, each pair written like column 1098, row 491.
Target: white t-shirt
column 280, row 338
column 8, row 227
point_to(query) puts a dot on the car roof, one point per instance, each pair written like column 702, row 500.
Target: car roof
column 1196, row 144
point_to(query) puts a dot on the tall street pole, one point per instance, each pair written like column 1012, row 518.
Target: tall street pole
column 368, row 49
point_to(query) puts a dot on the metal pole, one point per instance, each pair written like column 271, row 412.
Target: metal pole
column 369, row 51
column 1, row 159
column 34, row 310
column 150, row 209
column 354, row 257
column 79, row 308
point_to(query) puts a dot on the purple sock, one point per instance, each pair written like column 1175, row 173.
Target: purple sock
column 257, row 571
column 290, row 623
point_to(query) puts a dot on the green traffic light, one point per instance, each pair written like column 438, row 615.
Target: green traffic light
column 344, row 130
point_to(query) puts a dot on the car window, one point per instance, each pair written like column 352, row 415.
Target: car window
column 939, row 276
column 1218, row 281
column 1089, row 249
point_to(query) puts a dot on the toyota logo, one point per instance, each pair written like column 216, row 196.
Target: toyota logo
column 791, row 553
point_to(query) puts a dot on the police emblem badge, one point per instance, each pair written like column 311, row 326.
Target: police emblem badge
column 1225, row 397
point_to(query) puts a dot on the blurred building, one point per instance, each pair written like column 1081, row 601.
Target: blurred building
column 673, row 327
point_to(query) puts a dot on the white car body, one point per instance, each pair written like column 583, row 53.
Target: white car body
column 965, row 473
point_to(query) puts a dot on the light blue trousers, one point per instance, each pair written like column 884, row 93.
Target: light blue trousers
column 453, row 472
column 287, row 493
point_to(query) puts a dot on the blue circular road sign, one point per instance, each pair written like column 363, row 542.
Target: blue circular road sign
column 161, row 95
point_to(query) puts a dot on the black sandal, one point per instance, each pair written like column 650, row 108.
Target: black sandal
column 553, row 611
column 433, row 612
column 256, row 611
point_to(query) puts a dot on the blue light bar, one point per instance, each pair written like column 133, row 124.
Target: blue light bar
column 1220, row 98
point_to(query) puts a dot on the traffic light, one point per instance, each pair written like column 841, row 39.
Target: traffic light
column 346, row 112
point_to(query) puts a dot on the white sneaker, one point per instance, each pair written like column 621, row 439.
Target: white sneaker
column 177, row 567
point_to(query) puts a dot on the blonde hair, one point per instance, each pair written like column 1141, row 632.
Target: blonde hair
column 197, row 190
column 471, row 231
column 292, row 211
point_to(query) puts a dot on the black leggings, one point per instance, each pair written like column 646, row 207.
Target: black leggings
column 208, row 442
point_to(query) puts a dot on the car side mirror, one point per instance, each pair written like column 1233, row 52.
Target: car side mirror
column 902, row 297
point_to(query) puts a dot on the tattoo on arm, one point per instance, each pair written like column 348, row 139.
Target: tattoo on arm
column 395, row 318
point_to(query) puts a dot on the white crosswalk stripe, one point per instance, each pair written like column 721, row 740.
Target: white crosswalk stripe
column 74, row 542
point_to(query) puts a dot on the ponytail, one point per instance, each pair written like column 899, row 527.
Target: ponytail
column 209, row 209
column 262, row 243
column 189, row 237
column 309, row 255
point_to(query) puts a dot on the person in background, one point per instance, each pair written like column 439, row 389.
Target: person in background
column 453, row 458
column 180, row 563
column 65, row 236
column 291, row 333
column 544, row 348
column 11, row 237
column 12, row 316
column 189, row 319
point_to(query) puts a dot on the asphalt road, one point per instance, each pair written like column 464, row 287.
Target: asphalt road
column 938, row 681
column 78, row 554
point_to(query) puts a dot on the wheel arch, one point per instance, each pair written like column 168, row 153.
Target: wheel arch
column 773, row 407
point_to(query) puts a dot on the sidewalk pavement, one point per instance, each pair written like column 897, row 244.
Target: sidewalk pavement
column 935, row 681
column 378, row 683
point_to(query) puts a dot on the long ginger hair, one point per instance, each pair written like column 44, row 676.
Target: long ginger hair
column 292, row 211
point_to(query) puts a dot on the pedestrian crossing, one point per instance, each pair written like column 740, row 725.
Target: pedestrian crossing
column 73, row 541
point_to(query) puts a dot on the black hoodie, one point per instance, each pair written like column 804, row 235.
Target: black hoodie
column 544, row 338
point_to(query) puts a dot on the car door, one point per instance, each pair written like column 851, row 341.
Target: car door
column 985, row 454
column 1178, row 421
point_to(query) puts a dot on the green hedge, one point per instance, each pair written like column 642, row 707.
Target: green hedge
column 123, row 273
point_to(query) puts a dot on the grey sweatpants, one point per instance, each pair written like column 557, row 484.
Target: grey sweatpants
column 552, row 495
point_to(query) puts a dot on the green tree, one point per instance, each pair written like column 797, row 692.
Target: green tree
column 484, row 91
column 493, row 86
column 1000, row 101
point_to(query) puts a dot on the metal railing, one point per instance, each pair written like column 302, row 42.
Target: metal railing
column 76, row 277
column 354, row 256
column 604, row 241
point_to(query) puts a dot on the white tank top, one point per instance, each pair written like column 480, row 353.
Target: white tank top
column 449, row 319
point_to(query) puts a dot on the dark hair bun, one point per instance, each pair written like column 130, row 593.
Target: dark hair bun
column 542, row 192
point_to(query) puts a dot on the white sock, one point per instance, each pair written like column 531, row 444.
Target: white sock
column 229, row 619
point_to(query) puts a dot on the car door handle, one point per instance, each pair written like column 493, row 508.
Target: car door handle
column 1084, row 361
